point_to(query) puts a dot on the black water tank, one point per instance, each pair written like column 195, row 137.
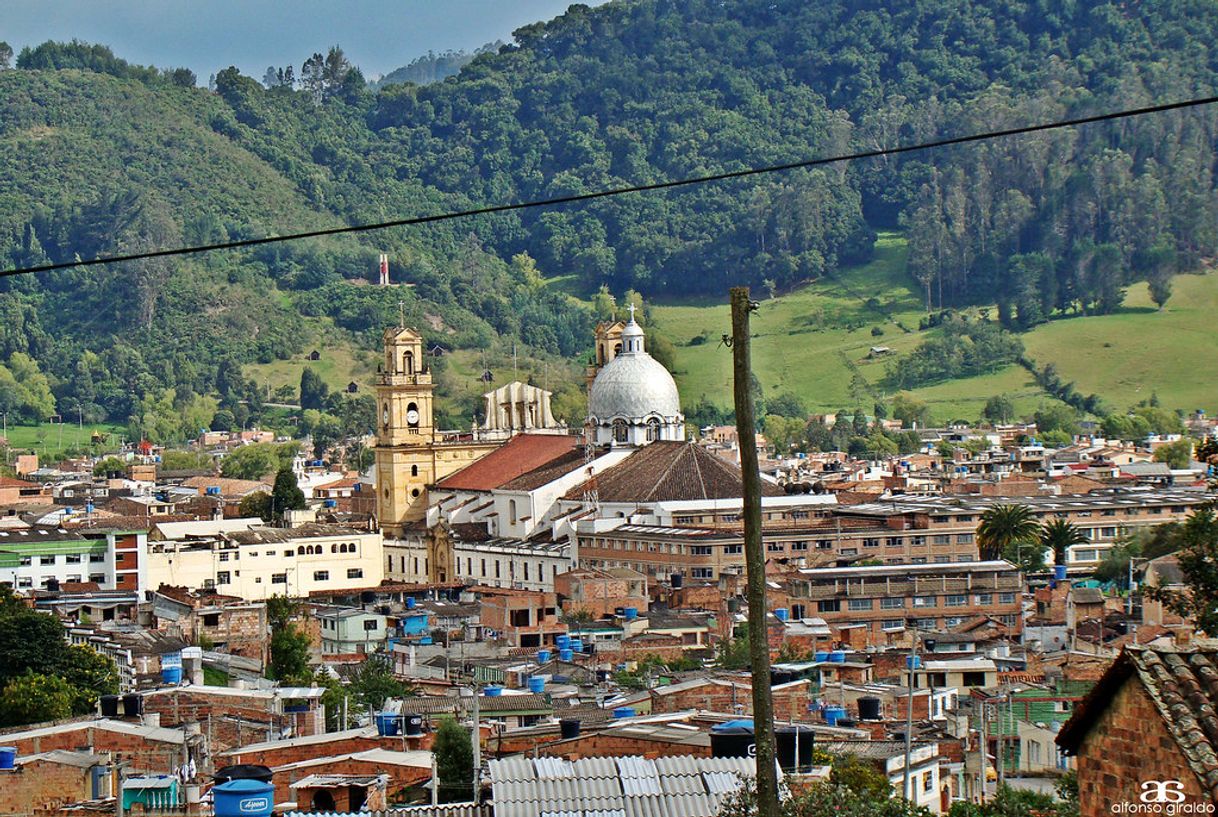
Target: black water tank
column 733, row 741
column 367, row 597
column 133, row 705
column 602, row 676
column 846, row 723
column 870, row 709
column 109, row 706
column 677, row 580
column 243, row 771
column 414, row 725
column 781, row 676
column 786, row 739
column 569, row 727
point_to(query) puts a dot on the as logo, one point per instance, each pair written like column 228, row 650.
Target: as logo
column 1162, row 791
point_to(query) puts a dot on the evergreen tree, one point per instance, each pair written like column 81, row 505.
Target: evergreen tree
column 286, row 495
column 454, row 762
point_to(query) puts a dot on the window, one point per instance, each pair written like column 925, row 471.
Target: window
column 1006, row 598
column 926, row 623
column 46, row 560
column 894, row 542
column 653, row 430
column 526, row 571
column 733, row 549
column 414, row 470
column 917, row 560
column 100, row 578
column 511, row 512
column 371, row 624
column 828, row 606
column 496, row 568
column 25, row 581
column 924, row 601
column 860, row 604
column 211, row 619
column 928, row 782
column 26, row 561
column 956, row 601
column 917, row 540
column 953, row 621
column 279, row 578
column 973, row 679
column 801, row 545
column 892, row 603
column 964, row 538
column 355, row 573
column 798, row 611
column 224, row 557
column 824, row 544
column 849, row 551
column 893, row 623
column 700, row 550
column 483, row 568
column 985, row 599
column 942, row 539
column 683, row 520
column 774, row 547
column 223, row 577
column 321, row 575
column 703, row 573
column 620, row 432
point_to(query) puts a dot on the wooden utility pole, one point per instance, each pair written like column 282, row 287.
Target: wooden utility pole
column 754, row 557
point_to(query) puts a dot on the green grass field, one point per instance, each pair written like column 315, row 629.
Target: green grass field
column 815, row 341
column 50, row 440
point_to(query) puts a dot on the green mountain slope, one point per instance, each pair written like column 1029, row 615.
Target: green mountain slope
column 103, row 157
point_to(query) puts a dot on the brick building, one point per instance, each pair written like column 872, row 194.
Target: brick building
column 48, row 780
column 227, row 623
column 148, row 748
column 601, row 592
column 1147, row 732
column 235, row 717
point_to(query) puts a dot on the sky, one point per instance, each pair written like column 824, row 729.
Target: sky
column 209, row 35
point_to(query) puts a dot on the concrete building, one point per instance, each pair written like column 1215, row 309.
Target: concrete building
column 45, row 558
column 888, row 597
column 261, row 562
column 348, row 631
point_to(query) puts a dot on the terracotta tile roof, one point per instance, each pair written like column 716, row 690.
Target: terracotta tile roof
column 9, row 482
column 667, row 471
column 560, row 466
column 513, row 459
column 1182, row 682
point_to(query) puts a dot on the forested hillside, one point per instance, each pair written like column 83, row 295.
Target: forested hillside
column 98, row 156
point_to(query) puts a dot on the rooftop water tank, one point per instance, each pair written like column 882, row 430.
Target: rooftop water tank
column 870, row 709
column 8, row 757
column 624, row 712
column 543, row 656
column 387, row 724
column 243, row 771
column 493, row 691
column 631, row 613
column 781, row 613
column 569, row 728
column 414, row 725
column 410, row 602
column 566, row 654
column 244, row 798
column 677, row 580
column 537, row 684
column 833, row 714
column 837, row 657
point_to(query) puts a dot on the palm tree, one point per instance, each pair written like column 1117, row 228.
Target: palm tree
column 1059, row 535
column 1003, row 526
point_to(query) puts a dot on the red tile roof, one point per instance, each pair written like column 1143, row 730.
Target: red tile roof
column 9, row 482
column 516, row 457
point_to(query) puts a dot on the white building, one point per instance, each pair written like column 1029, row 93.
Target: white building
column 38, row 558
column 634, row 400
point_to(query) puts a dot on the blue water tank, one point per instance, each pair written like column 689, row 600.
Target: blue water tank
column 410, row 602
column 329, row 503
column 913, row 662
column 576, row 645
column 1059, row 572
column 837, row 657
column 8, row 754
column 543, row 656
column 537, row 684
column 739, row 723
column 624, row 712
column 781, row 613
column 244, row 798
column 821, row 655
column 631, row 613
column 387, row 724
column 562, row 641
column 493, row 691
column 566, row 654
column 833, row 714
column 171, row 675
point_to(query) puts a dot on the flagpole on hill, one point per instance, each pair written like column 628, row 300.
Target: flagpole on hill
column 754, row 556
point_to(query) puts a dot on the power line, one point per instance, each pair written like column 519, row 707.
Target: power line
column 618, row 191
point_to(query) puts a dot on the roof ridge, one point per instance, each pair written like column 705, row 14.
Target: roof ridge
column 697, row 467
column 672, row 463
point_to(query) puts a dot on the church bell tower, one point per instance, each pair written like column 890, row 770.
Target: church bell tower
column 405, row 431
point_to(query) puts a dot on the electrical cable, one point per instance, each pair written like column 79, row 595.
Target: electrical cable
column 619, row 191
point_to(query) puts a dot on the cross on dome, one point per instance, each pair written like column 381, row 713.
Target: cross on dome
column 631, row 308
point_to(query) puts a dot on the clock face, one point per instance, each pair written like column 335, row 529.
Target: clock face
column 412, row 417
column 385, row 416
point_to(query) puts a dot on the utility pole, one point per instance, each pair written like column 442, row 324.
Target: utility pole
column 913, row 662
column 477, row 745
column 754, row 556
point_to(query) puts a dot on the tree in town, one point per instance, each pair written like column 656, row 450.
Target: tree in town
column 289, row 654
column 1177, row 454
column 1057, row 535
column 1198, row 560
column 286, row 495
column 1005, row 528
column 454, row 762
column 34, row 698
column 373, row 682
column 855, row 789
column 257, row 504
column 258, row 460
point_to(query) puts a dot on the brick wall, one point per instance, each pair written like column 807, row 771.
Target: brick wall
column 1127, row 745
column 40, row 785
column 284, row 755
column 610, row 745
column 145, row 755
column 790, row 703
column 230, row 720
column 400, row 777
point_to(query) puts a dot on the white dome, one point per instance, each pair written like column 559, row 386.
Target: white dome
column 633, row 386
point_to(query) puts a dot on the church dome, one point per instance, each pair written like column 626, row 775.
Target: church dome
column 633, row 385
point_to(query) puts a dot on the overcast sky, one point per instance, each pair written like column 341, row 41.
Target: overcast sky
column 208, row 35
